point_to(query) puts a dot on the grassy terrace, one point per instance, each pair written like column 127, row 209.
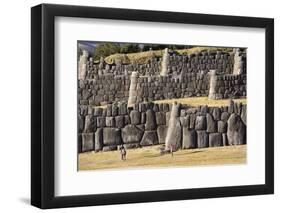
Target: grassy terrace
column 198, row 101
column 149, row 157
column 142, row 57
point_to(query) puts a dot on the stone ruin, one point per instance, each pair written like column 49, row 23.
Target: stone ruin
column 128, row 115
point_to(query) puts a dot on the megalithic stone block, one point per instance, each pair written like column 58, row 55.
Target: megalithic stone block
column 174, row 132
column 202, row 139
column 236, row 130
column 189, row 138
column 149, row 138
column 87, row 142
column 215, row 139
column 99, row 139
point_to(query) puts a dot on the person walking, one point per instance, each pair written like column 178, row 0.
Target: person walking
column 123, row 152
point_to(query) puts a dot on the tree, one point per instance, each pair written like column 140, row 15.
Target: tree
column 129, row 48
column 105, row 49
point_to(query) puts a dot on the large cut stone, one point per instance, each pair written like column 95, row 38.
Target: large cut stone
column 216, row 113
column 222, row 126
column 135, row 117
column 225, row 116
column 192, row 118
column 161, row 118
column 79, row 143
column 161, row 133
column 100, row 121
column 200, row 123
column 98, row 112
column 99, row 139
column 202, row 139
column 90, row 123
column 244, row 114
column 189, row 139
column 150, row 123
column 87, row 142
column 80, row 123
column 110, row 121
column 149, row 138
column 131, row 134
column 224, row 139
column 236, row 130
column 174, row 132
column 122, row 108
column 111, row 136
column 185, row 121
column 119, row 121
column 215, row 139
column 211, row 123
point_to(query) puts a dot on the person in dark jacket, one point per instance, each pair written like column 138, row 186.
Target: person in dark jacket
column 123, row 152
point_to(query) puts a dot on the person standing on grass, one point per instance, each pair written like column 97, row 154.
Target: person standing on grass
column 123, row 152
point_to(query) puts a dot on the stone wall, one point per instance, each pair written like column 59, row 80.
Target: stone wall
column 145, row 124
column 106, row 89
column 103, row 89
column 182, row 76
column 177, row 64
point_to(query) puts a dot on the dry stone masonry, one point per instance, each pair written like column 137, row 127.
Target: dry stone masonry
column 217, row 75
column 145, row 124
column 116, row 101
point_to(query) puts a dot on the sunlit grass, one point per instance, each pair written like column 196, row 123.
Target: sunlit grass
column 200, row 101
column 143, row 57
column 151, row 157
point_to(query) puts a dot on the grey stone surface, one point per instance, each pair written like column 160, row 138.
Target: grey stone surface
column 80, row 123
column 97, row 112
column 174, row 132
column 184, row 121
column 131, row 134
column 99, row 139
column 215, row 139
column 119, row 121
column 224, row 139
column 222, row 126
column 87, row 142
column 79, row 139
column 189, row 138
column 225, row 116
column 160, row 118
column 135, row 117
column 90, row 123
column 192, row 119
column 110, row 121
column 150, row 123
column 236, row 130
column 161, row 133
column 200, row 123
column 216, row 113
column 244, row 114
column 149, row 138
column 132, row 145
column 109, row 148
column 100, row 121
column 211, row 123
column 202, row 139
column 111, row 136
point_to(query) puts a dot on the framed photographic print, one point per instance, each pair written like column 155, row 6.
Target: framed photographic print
column 140, row 106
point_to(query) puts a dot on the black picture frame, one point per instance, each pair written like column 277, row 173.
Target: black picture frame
column 43, row 105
